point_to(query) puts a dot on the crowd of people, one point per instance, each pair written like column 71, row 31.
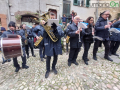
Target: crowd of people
column 75, row 35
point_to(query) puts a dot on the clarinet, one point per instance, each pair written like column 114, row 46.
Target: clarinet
column 79, row 33
column 108, row 24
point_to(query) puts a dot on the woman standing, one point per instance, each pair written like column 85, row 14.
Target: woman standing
column 87, row 38
column 101, row 29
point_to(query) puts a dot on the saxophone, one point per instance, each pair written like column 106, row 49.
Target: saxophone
column 47, row 28
column 38, row 41
column 67, row 39
column 26, row 41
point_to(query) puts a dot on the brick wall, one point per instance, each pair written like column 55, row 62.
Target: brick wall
column 3, row 20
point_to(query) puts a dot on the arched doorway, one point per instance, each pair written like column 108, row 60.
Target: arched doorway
column 28, row 19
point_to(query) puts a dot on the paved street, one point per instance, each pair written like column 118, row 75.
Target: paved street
column 98, row 75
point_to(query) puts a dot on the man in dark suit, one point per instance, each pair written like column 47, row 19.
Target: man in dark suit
column 73, row 32
column 37, row 32
column 29, row 41
column 52, row 48
column 11, row 26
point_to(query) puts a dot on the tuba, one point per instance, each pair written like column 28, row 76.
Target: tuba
column 47, row 28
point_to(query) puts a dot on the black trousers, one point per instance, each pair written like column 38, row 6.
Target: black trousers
column 67, row 47
column 27, row 49
column 114, row 45
column 41, row 51
column 54, row 62
column 96, row 45
column 73, row 54
column 86, row 49
column 15, row 62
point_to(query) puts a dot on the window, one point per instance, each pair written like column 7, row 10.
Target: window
column 79, row 2
column 87, row 3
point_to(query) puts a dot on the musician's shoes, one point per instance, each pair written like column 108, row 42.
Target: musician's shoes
column 27, row 56
column 85, row 59
column 4, row 61
column 33, row 55
column 55, row 71
column 42, row 59
column 69, row 64
column 47, row 74
column 25, row 67
column 45, row 57
column 17, row 69
column 86, row 62
column 95, row 58
column 75, row 63
column 115, row 54
column 9, row 60
column 108, row 58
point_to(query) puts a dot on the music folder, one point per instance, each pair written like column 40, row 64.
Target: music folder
column 50, row 21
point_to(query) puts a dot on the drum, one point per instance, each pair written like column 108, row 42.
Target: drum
column 11, row 47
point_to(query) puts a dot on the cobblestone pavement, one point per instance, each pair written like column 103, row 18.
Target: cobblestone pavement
column 98, row 75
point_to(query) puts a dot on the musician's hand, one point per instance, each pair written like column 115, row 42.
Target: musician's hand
column 107, row 26
column 77, row 32
column 19, row 36
column 110, row 23
column 92, row 33
column 37, row 37
column 54, row 26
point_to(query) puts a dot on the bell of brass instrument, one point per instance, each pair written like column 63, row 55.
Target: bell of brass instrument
column 38, row 41
column 47, row 28
column 26, row 41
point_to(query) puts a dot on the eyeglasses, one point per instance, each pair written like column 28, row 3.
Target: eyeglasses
column 77, row 19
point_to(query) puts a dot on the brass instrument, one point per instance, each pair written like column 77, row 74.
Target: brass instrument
column 67, row 39
column 47, row 28
column 38, row 41
column 26, row 41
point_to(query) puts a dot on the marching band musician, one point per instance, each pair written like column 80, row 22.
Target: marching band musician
column 73, row 32
column 115, row 39
column 87, row 38
column 37, row 32
column 52, row 48
column 101, row 29
column 28, row 41
column 11, row 26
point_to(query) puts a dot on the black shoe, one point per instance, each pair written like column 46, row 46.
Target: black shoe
column 4, row 61
column 55, row 71
column 25, row 67
column 75, row 63
column 45, row 57
column 85, row 59
column 86, row 62
column 109, row 54
column 69, row 64
column 108, row 58
column 8, row 60
column 33, row 55
column 27, row 56
column 17, row 69
column 47, row 74
column 42, row 59
column 95, row 58
column 115, row 54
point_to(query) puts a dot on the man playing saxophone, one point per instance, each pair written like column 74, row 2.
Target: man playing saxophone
column 52, row 47
column 38, row 32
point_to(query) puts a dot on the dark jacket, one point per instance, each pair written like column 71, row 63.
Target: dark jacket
column 38, row 31
column 100, row 29
column 50, row 45
column 115, row 36
column 87, row 34
column 22, row 34
column 74, row 38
